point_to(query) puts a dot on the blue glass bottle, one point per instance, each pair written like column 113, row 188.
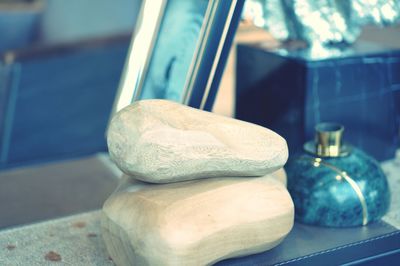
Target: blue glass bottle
column 334, row 184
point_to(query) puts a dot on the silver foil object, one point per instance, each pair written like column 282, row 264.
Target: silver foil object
column 323, row 22
column 379, row 12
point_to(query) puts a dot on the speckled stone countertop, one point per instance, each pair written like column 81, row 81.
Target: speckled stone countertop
column 75, row 240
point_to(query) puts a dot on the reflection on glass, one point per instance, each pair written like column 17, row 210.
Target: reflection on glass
column 174, row 50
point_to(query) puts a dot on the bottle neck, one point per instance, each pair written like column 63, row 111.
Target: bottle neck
column 328, row 139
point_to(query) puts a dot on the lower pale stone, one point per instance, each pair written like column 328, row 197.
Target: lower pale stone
column 195, row 222
column 280, row 175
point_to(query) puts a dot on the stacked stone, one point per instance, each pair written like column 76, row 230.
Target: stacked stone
column 198, row 187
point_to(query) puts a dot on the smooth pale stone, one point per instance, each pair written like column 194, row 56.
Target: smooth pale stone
column 159, row 141
column 280, row 175
column 195, row 222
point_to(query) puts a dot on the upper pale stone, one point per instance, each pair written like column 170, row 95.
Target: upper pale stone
column 160, row 141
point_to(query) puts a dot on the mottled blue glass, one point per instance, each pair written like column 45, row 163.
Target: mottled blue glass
column 324, row 190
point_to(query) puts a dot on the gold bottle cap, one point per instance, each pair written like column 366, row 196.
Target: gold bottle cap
column 328, row 141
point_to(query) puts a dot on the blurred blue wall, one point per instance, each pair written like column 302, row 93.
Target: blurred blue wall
column 56, row 93
column 71, row 20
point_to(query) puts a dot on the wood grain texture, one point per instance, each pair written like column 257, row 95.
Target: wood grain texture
column 160, row 141
column 195, row 222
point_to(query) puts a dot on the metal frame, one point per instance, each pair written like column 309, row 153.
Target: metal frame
column 140, row 51
column 210, row 52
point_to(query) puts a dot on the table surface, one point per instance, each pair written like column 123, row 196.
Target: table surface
column 76, row 240
column 47, row 191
